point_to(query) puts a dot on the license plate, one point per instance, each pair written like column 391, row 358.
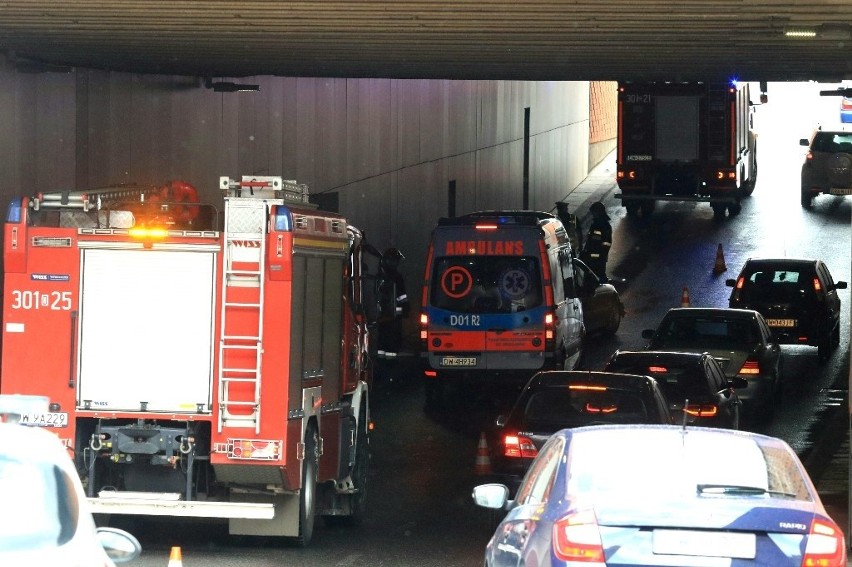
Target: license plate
column 781, row 322
column 47, row 419
column 841, row 191
column 458, row 361
column 710, row 544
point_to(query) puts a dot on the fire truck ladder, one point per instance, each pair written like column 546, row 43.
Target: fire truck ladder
column 244, row 254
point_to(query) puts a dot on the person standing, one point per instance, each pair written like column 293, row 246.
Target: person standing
column 598, row 241
column 393, row 305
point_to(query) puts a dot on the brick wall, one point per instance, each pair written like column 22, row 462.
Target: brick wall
column 602, row 110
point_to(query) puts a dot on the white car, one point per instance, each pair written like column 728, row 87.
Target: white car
column 45, row 518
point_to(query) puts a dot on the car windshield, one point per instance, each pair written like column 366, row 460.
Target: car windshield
column 705, row 333
column 486, row 284
column 777, row 285
column 679, row 462
column 39, row 505
column 553, row 408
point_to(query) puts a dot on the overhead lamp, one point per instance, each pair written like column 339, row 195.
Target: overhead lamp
column 229, row 87
column 827, row 30
column 800, row 33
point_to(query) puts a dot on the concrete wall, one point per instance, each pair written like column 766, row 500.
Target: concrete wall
column 385, row 150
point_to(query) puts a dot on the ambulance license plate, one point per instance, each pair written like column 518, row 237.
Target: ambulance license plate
column 781, row 322
column 47, row 419
column 458, row 361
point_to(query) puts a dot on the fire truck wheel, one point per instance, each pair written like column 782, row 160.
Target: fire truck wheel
column 307, row 496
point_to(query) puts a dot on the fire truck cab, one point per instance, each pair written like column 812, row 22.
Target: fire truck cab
column 198, row 362
column 499, row 299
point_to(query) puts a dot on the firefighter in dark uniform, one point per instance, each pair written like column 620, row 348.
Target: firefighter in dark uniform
column 598, row 241
column 393, row 305
column 572, row 226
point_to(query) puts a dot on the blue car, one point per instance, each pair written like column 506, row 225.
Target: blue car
column 648, row 495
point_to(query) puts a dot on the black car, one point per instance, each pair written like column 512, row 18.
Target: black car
column 557, row 399
column 602, row 306
column 798, row 298
column 694, row 383
column 740, row 340
column 827, row 168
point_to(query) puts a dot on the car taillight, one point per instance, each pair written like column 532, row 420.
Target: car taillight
column 826, row 545
column 817, row 286
column 424, row 332
column 750, row 367
column 548, row 326
column 518, row 446
column 576, row 538
column 701, row 410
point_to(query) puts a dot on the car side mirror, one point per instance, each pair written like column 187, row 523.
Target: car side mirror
column 804, row 142
column 840, row 285
column 648, row 334
column 738, row 383
column 730, row 282
column 493, row 496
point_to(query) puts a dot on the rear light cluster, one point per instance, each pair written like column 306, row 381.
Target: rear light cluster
column 701, row 410
column 576, row 538
column 519, row 447
column 627, row 175
column 549, row 331
column 725, row 175
column 826, row 545
column 750, row 368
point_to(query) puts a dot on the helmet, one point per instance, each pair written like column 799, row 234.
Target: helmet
column 392, row 257
column 597, row 208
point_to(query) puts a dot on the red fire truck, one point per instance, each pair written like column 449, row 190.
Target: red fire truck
column 199, row 363
column 685, row 142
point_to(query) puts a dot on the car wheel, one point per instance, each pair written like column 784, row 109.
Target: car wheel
column 807, row 199
column 613, row 321
column 734, row 208
column 632, row 209
column 835, row 337
column 719, row 210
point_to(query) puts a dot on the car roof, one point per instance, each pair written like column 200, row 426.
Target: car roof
column 842, row 127
column 654, row 355
column 670, row 430
column 33, row 444
column 727, row 312
column 610, row 379
column 782, row 261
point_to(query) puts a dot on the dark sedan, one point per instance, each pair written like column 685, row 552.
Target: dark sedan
column 553, row 400
column 798, row 298
column 694, row 384
column 740, row 340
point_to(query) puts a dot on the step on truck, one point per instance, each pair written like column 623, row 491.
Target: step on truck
column 499, row 300
column 199, row 362
column 690, row 141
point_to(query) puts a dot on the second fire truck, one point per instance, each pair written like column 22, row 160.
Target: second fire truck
column 690, row 141
column 198, row 363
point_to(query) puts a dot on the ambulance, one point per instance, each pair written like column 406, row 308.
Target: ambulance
column 499, row 298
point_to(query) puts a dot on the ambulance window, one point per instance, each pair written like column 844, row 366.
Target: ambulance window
column 556, row 278
column 567, row 270
column 486, row 284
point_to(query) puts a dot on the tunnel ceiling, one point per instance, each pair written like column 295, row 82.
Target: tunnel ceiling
column 437, row 39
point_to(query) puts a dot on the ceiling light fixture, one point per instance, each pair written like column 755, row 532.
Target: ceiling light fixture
column 800, row 33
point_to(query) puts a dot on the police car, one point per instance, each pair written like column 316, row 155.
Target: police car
column 45, row 519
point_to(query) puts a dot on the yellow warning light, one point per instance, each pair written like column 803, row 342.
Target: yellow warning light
column 148, row 233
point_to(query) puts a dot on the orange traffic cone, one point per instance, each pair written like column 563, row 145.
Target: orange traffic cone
column 483, row 461
column 175, row 559
column 684, row 297
column 720, row 266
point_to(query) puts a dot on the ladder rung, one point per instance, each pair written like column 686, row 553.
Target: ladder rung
column 233, row 304
column 239, row 403
column 243, row 347
column 240, row 338
column 235, row 379
column 243, row 272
